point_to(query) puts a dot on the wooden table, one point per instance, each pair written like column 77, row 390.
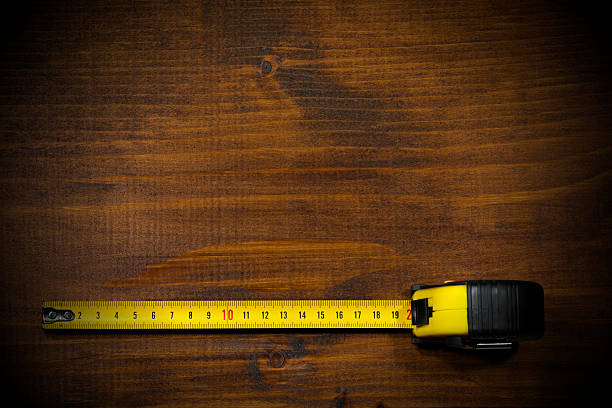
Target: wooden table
column 286, row 150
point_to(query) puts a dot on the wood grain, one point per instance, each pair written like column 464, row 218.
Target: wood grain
column 145, row 154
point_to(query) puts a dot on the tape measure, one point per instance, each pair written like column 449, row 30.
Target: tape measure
column 466, row 314
column 246, row 314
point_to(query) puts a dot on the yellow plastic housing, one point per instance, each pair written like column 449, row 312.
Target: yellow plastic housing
column 449, row 316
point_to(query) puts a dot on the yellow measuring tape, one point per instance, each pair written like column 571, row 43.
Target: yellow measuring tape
column 260, row 314
column 473, row 314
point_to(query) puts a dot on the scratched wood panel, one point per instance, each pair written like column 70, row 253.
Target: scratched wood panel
column 286, row 150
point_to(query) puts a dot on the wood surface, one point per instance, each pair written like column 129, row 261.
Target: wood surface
column 148, row 151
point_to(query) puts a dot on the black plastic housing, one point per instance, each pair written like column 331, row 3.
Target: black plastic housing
column 500, row 314
column 504, row 310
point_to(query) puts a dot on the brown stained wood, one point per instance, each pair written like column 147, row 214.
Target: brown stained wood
column 276, row 262
column 148, row 151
